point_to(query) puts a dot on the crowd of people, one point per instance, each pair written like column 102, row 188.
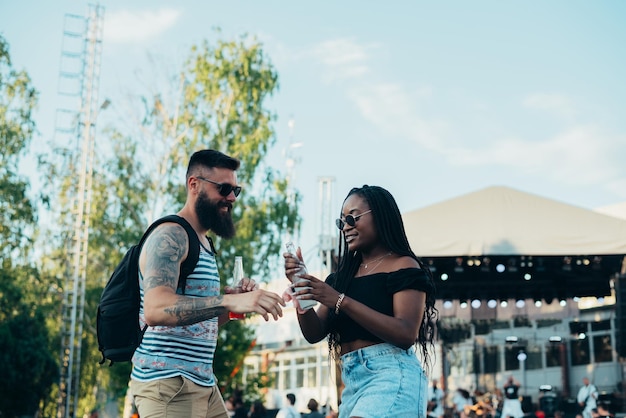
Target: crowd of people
column 235, row 407
column 507, row 403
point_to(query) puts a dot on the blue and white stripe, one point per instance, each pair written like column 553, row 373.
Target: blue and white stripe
column 187, row 350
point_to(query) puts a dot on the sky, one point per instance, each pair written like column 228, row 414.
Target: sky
column 431, row 100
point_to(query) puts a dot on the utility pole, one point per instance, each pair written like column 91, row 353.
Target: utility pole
column 327, row 239
column 290, row 161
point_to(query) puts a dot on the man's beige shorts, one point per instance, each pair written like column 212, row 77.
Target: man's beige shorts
column 177, row 397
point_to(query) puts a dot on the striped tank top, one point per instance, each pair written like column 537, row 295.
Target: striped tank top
column 185, row 350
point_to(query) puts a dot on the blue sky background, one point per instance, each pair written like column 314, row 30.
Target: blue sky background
column 429, row 99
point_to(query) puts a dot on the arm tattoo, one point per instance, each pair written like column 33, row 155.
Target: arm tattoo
column 165, row 248
column 192, row 310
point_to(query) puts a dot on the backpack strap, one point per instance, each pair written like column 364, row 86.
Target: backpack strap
column 193, row 254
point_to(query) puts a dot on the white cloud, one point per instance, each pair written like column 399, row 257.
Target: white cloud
column 343, row 58
column 130, row 26
column 393, row 111
column 579, row 154
column 556, row 104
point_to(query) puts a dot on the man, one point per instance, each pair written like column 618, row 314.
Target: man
column 289, row 410
column 435, row 401
column 512, row 407
column 313, row 406
column 587, row 396
column 172, row 368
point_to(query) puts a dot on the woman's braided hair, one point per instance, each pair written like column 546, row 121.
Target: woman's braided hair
column 390, row 227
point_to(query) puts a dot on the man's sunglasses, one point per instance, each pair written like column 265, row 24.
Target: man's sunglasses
column 350, row 220
column 223, row 189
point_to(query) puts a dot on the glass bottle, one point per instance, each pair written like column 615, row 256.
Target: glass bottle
column 237, row 276
column 298, row 279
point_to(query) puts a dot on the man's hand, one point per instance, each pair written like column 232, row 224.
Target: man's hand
column 256, row 300
column 245, row 285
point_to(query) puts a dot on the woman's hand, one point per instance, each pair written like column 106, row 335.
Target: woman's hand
column 293, row 264
column 317, row 290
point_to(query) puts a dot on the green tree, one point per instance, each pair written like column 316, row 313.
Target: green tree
column 17, row 101
column 218, row 101
column 25, row 345
column 29, row 363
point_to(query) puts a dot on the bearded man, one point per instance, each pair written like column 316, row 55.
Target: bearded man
column 173, row 367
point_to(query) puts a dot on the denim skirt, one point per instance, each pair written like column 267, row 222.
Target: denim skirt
column 382, row 381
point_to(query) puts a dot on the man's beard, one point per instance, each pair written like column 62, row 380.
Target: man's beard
column 212, row 217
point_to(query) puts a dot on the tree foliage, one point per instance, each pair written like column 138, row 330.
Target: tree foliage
column 17, row 100
column 25, row 344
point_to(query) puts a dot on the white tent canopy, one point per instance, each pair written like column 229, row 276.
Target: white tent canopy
column 503, row 221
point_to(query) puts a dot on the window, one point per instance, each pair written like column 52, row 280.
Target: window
column 455, row 360
column 580, row 352
column 491, row 359
column 510, row 357
column 604, row 325
column 553, row 355
column 533, row 358
column 311, row 375
column 602, row 348
column 469, row 361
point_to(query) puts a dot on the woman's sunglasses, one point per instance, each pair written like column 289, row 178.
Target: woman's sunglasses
column 223, row 189
column 350, row 220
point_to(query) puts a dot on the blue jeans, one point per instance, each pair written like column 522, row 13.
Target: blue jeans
column 383, row 381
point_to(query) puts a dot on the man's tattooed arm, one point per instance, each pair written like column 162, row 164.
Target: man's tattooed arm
column 166, row 249
column 191, row 310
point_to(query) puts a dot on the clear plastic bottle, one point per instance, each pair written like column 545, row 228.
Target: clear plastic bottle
column 306, row 303
column 237, row 276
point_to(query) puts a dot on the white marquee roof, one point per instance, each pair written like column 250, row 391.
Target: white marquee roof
column 503, row 221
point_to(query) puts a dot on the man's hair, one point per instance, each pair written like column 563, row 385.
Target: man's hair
column 292, row 398
column 313, row 405
column 210, row 158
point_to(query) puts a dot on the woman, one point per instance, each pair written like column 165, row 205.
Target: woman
column 374, row 309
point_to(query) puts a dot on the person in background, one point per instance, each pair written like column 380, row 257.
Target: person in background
column 461, row 399
column 239, row 408
column 587, row 397
column 602, row 411
column 289, row 410
column 313, row 406
column 511, row 407
column 435, row 400
column 172, row 373
column 258, row 410
column 375, row 308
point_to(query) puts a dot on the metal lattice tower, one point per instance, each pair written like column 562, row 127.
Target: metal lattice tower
column 79, row 79
column 327, row 240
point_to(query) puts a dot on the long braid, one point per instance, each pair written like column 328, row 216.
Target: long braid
column 390, row 227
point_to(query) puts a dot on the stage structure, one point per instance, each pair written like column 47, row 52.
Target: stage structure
column 499, row 244
column 75, row 126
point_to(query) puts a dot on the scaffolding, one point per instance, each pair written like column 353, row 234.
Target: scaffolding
column 78, row 88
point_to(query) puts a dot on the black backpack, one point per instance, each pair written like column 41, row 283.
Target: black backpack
column 118, row 329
